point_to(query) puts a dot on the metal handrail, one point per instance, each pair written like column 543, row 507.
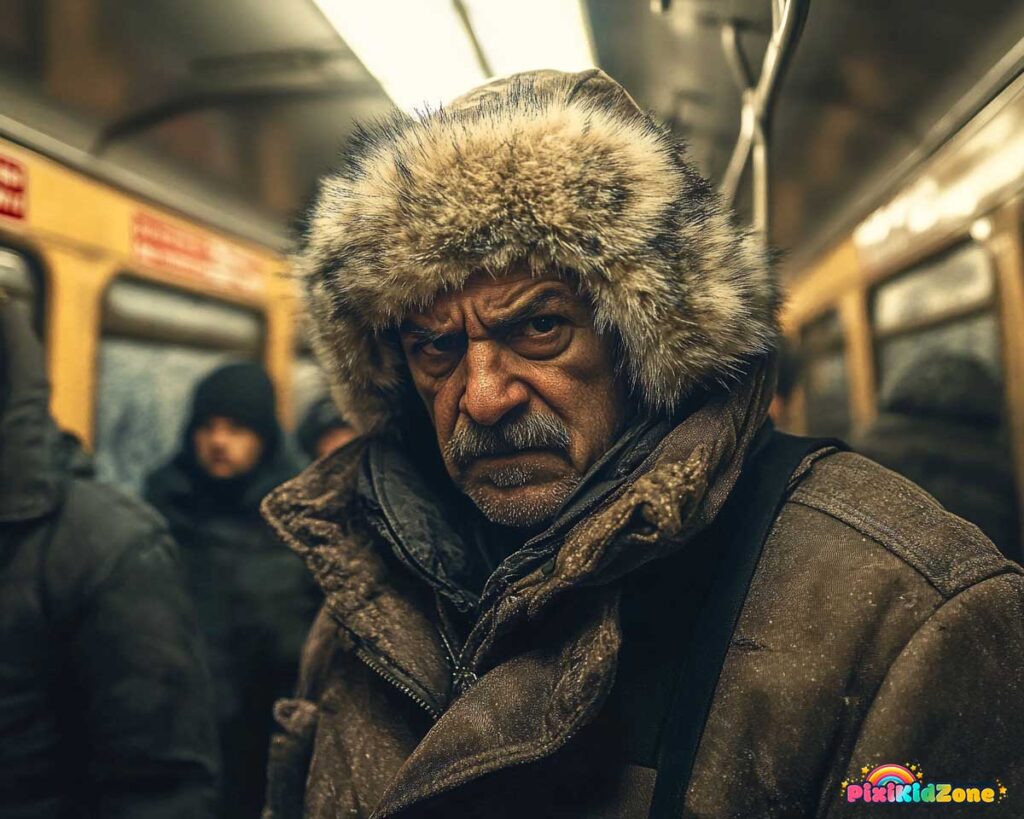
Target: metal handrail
column 758, row 99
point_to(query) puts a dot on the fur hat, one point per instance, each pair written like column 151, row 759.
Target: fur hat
column 561, row 172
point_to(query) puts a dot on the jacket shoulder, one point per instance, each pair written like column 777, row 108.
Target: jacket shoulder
column 163, row 482
column 949, row 552
column 108, row 511
column 96, row 528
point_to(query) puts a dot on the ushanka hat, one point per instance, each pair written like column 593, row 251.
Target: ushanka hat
column 556, row 171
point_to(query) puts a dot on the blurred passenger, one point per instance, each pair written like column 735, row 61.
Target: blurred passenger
column 562, row 346
column 940, row 424
column 254, row 597
column 323, row 430
column 105, row 703
column 781, row 408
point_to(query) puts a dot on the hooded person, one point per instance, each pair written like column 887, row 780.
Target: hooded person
column 254, row 598
column 940, row 424
column 569, row 569
column 106, row 707
column 323, row 429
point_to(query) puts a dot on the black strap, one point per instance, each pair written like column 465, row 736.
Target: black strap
column 742, row 528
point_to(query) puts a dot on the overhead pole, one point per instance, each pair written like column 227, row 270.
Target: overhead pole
column 757, row 97
column 481, row 56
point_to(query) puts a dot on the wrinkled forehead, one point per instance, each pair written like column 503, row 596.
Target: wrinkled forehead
column 488, row 296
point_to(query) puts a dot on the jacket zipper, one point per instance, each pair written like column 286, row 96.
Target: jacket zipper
column 463, row 676
column 381, row 671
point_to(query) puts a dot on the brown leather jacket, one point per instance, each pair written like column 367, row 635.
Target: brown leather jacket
column 878, row 628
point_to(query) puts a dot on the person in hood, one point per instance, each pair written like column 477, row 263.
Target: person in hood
column 105, row 702
column 323, row 430
column 255, row 600
column 570, row 570
column 940, row 424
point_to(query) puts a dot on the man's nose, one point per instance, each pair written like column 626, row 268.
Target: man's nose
column 492, row 387
column 218, row 435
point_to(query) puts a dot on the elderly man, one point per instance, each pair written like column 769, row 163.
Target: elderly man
column 539, row 566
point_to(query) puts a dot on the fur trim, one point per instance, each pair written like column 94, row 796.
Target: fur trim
column 558, row 170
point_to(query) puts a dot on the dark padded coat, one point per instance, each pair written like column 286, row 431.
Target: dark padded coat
column 255, row 603
column 105, row 703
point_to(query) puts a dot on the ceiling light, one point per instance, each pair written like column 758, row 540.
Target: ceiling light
column 418, row 50
column 525, row 35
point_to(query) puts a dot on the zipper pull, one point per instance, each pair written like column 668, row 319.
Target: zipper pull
column 463, row 679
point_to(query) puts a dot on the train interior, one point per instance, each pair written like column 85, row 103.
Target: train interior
column 154, row 158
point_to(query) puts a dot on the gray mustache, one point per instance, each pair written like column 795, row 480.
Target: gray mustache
column 471, row 440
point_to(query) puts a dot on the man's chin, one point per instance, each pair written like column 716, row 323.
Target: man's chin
column 522, row 506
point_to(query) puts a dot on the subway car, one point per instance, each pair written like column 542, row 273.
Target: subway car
column 146, row 213
column 721, row 616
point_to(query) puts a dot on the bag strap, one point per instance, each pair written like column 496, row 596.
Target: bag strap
column 742, row 529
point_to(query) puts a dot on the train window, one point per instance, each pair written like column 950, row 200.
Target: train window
column 977, row 336
column 954, row 283
column 16, row 280
column 944, row 305
column 22, row 278
column 157, row 343
column 826, row 386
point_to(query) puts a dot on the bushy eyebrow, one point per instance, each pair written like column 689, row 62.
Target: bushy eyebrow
column 529, row 310
column 535, row 305
column 420, row 334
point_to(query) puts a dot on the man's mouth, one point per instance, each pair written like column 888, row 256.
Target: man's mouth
column 516, row 456
column 510, row 470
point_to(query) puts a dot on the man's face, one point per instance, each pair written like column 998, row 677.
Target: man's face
column 226, row 448
column 521, row 390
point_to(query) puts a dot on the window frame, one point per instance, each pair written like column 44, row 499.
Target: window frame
column 943, row 318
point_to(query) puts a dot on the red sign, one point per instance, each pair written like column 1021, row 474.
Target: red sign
column 13, row 181
column 194, row 255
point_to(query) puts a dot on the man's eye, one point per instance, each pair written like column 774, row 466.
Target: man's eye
column 443, row 345
column 541, row 325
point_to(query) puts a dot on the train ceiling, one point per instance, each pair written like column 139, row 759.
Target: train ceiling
column 230, row 109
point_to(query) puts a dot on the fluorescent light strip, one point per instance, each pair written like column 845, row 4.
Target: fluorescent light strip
column 418, row 50
column 422, row 55
column 525, row 35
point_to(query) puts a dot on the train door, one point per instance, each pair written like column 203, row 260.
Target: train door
column 156, row 344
